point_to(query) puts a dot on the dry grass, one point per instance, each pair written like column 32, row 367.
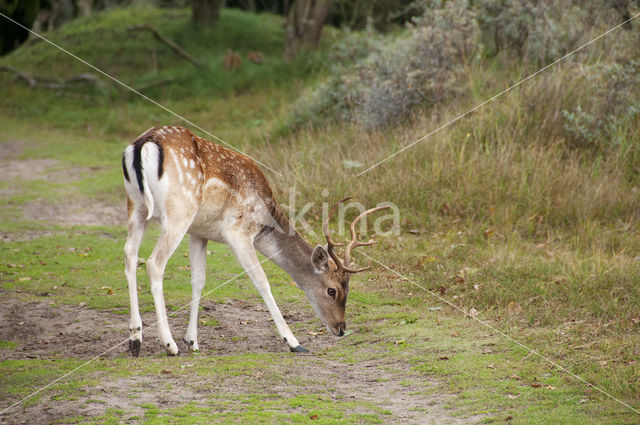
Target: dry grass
column 544, row 225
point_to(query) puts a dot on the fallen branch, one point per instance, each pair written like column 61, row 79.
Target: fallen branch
column 19, row 74
column 52, row 83
column 173, row 46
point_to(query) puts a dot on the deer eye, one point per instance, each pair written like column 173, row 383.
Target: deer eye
column 331, row 292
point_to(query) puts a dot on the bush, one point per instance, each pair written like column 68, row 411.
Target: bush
column 608, row 123
column 376, row 82
column 541, row 31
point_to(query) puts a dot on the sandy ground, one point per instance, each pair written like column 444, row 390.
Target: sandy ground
column 47, row 332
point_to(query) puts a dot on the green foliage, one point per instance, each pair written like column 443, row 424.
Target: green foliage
column 143, row 63
column 608, row 122
column 378, row 81
column 540, row 32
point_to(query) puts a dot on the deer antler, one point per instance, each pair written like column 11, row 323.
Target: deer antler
column 344, row 265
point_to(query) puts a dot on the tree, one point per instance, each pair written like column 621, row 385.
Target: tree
column 206, row 12
column 23, row 11
column 304, row 25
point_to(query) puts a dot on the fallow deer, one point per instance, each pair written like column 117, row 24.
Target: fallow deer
column 213, row 193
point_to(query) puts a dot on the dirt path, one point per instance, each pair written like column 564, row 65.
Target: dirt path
column 47, row 332
column 14, row 170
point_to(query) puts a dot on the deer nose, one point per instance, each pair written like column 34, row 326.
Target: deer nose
column 341, row 328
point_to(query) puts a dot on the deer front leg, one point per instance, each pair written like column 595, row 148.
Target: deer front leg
column 248, row 259
column 136, row 227
column 198, row 258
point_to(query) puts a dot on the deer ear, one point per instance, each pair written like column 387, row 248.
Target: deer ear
column 320, row 259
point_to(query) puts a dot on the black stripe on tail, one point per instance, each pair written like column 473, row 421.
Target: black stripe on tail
column 124, row 168
column 137, row 159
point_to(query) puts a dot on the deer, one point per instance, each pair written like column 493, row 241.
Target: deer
column 216, row 194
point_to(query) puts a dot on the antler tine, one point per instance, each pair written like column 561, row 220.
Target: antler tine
column 330, row 243
column 354, row 239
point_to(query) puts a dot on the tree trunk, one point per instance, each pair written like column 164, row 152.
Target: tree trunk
column 304, row 25
column 206, row 12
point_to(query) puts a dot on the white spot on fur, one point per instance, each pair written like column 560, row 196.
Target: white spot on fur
column 192, row 164
column 177, row 164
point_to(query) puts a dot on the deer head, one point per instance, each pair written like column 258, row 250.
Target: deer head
column 329, row 295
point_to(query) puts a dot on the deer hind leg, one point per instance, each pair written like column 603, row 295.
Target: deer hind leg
column 245, row 253
column 136, row 226
column 198, row 258
column 172, row 233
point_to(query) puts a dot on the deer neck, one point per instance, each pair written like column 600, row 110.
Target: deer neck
column 283, row 245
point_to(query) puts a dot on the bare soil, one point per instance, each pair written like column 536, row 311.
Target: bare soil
column 93, row 213
column 77, row 212
column 45, row 331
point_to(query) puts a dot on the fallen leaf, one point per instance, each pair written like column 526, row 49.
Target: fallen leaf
column 24, row 279
column 513, row 396
column 313, row 417
column 443, row 358
column 399, row 342
column 255, row 57
column 166, row 372
column 514, row 376
column 491, row 366
column 550, row 387
column 473, row 312
column 514, row 308
column 434, row 308
column 603, row 363
column 536, row 384
column 583, row 400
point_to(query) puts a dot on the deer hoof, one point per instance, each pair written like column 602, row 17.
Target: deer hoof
column 192, row 344
column 298, row 349
column 172, row 348
column 134, row 347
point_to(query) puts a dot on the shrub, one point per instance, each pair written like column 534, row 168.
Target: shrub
column 608, row 123
column 541, row 31
column 423, row 66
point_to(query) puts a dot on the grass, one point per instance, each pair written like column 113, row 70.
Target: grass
column 541, row 240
